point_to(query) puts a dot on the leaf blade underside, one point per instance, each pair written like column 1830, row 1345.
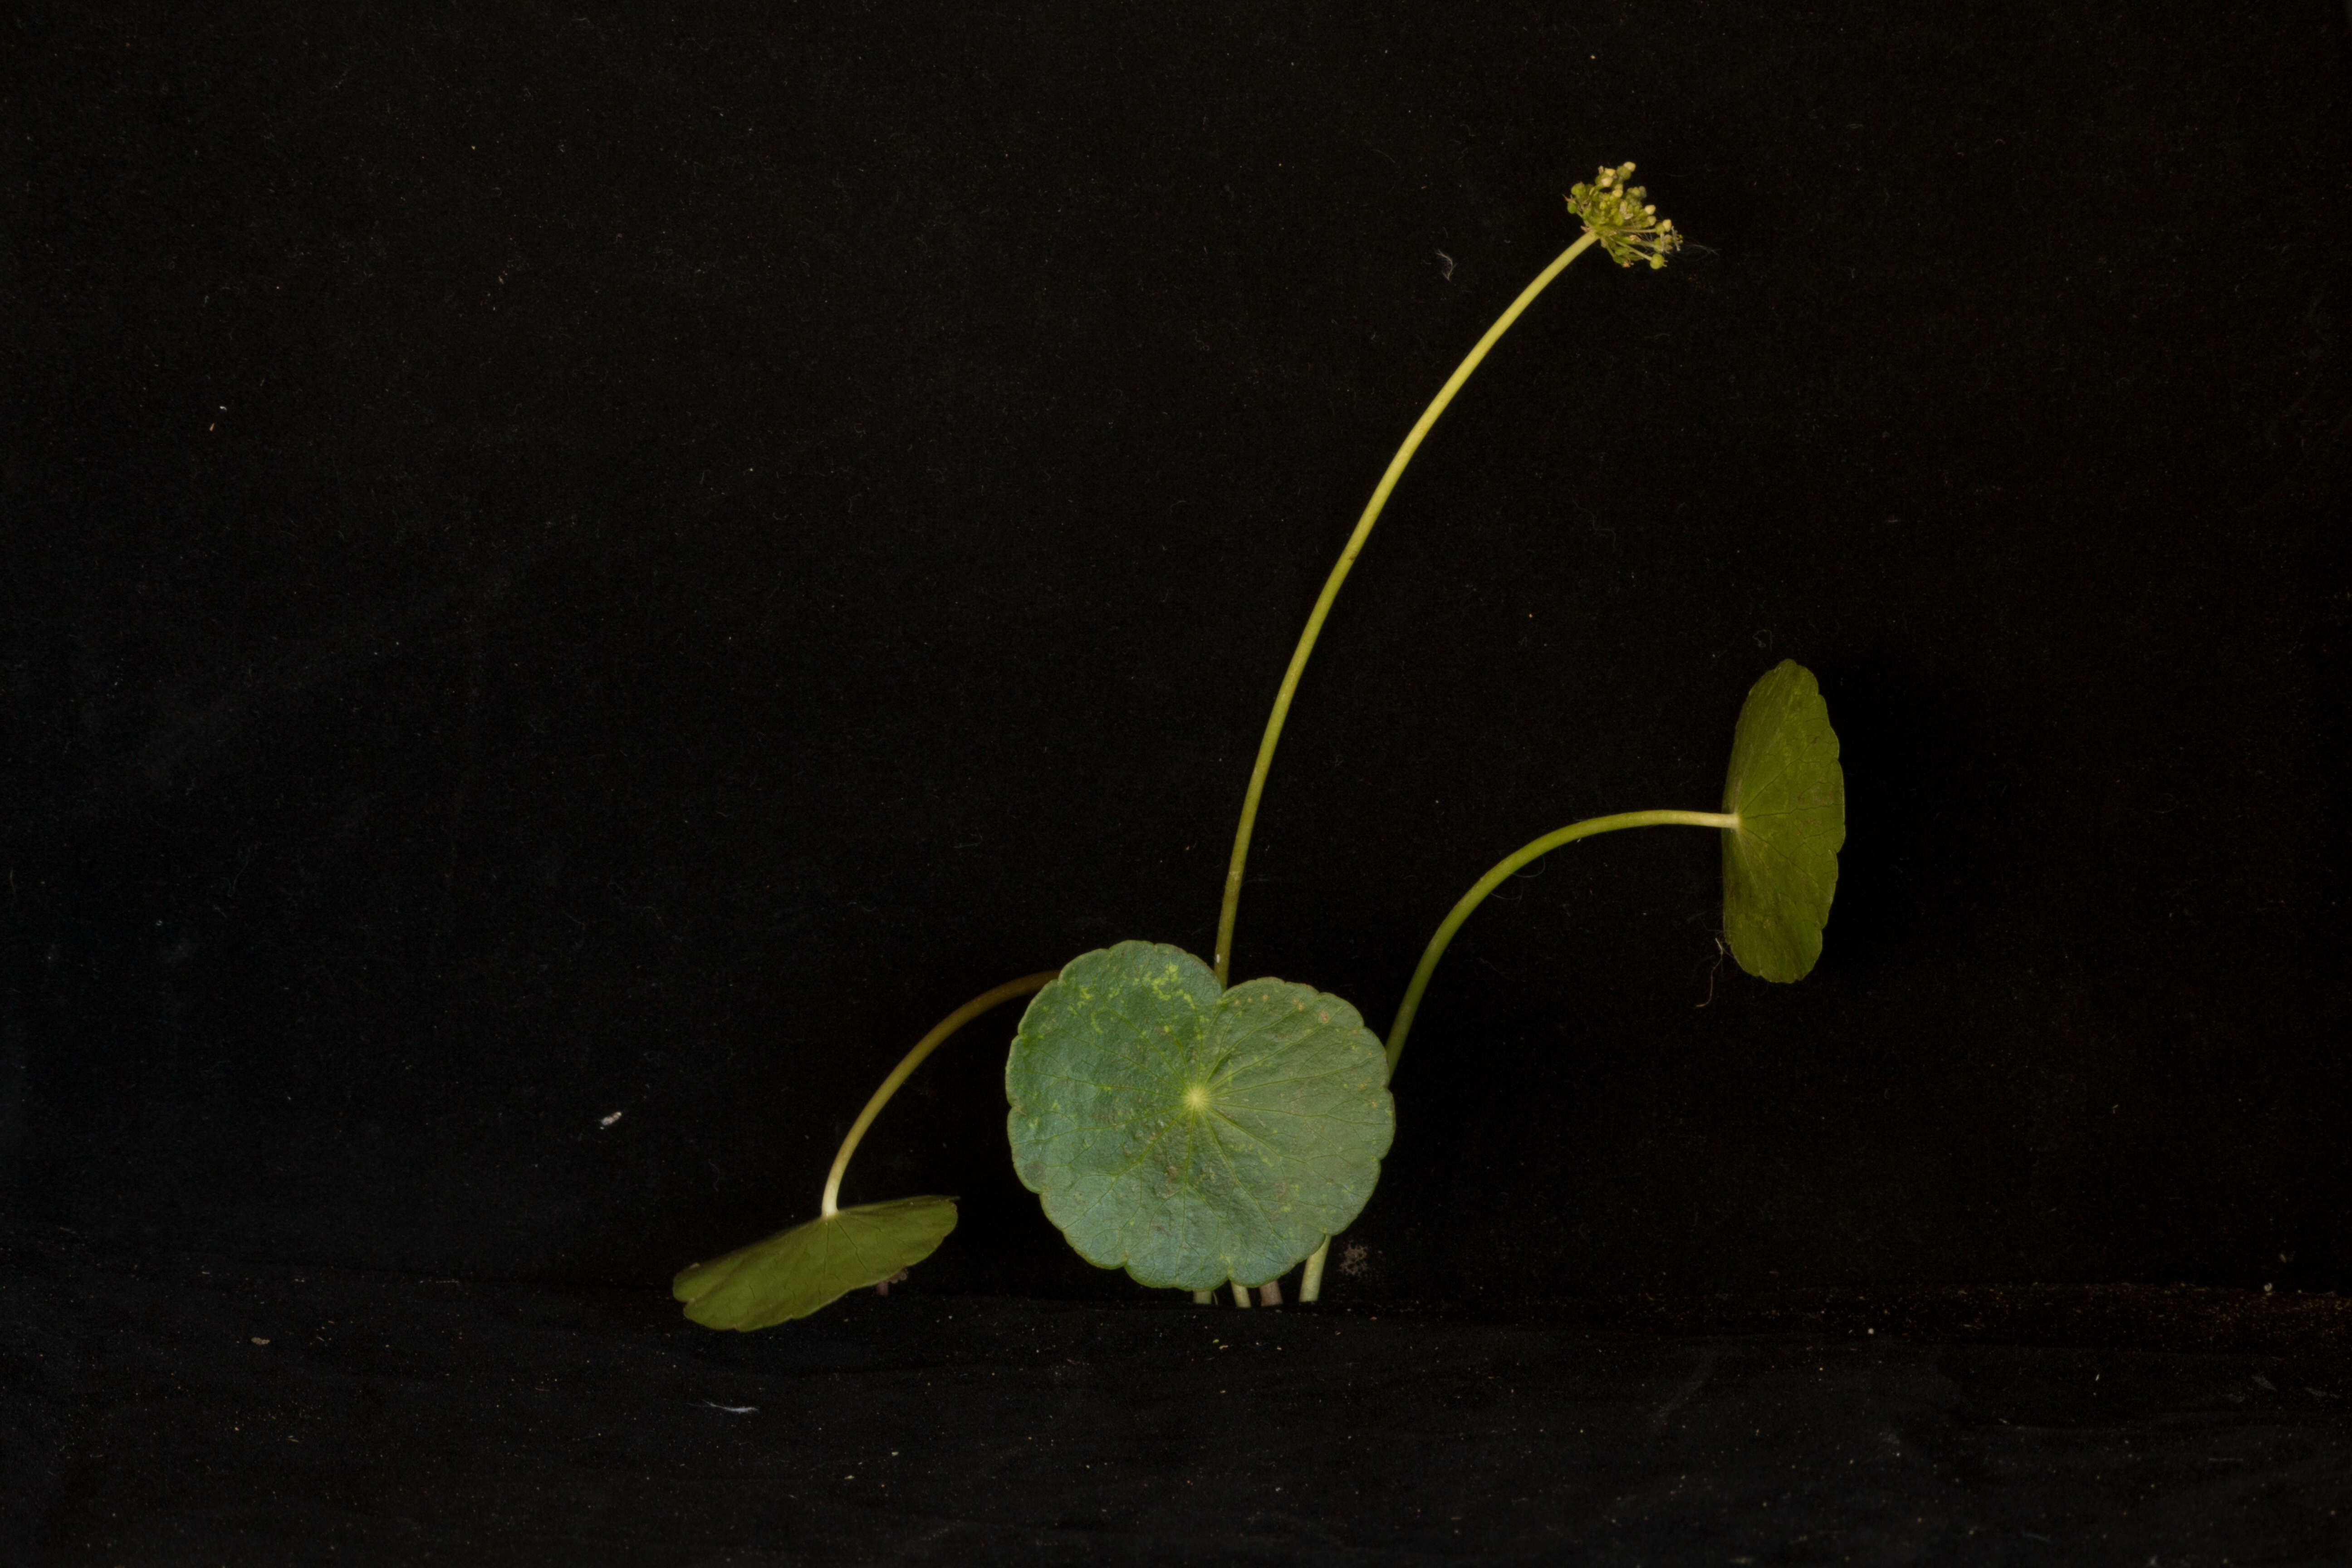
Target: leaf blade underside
column 795, row 1272
column 1779, row 865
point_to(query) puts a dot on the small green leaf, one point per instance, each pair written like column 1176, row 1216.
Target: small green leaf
column 1779, row 865
column 794, row 1272
column 1189, row 1135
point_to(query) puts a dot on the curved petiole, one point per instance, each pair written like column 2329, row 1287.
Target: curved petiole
column 1311, row 1286
column 946, row 1026
column 1503, row 870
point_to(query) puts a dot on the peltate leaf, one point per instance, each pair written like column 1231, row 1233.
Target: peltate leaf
column 796, row 1271
column 1780, row 866
column 1192, row 1135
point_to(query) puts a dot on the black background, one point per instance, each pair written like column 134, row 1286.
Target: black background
column 579, row 559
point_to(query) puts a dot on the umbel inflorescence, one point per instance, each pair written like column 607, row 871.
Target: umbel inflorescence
column 1628, row 228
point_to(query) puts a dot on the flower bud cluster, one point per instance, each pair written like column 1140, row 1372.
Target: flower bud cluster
column 1629, row 228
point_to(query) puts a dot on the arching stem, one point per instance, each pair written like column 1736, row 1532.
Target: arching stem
column 1311, row 1286
column 1225, row 916
column 1504, row 869
column 948, row 1026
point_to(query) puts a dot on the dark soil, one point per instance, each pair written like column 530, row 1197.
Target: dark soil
column 190, row 1410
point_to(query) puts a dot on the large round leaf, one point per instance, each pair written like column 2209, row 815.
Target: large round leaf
column 1779, row 865
column 796, row 1271
column 1193, row 1135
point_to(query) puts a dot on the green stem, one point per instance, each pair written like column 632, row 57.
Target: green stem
column 913, row 1060
column 1503, row 871
column 1311, row 1286
column 1310, row 1278
column 1315, row 618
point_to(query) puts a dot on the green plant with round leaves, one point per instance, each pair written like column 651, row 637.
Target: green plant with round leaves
column 1195, row 1134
